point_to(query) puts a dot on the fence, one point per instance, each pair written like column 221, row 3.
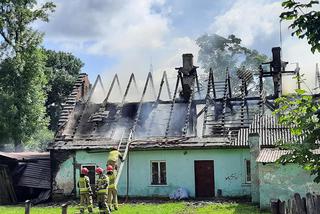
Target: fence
column 297, row 205
column 64, row 208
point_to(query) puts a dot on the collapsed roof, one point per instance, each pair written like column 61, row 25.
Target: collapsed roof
column 218, row 118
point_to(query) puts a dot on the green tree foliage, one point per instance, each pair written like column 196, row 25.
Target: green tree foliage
column 62, row 72
column 39, row 140
column 305, row 21
column 22, row 72
column 220, row 53
column 299, row 111
column 22, row 81
column 16, row 17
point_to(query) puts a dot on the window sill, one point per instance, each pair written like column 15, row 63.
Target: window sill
column 246, row 184
column 158, row 185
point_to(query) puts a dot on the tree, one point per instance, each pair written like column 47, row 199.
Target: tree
column 305, row 22
column 62, row 72
column 300, row 112
column 22, row 79
column 16, row 16
column 220, row 53
column 22, row 72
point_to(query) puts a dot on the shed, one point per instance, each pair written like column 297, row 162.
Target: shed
column 23, row 176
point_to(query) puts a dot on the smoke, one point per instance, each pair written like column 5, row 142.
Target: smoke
column 298, row 51
column 167, row 58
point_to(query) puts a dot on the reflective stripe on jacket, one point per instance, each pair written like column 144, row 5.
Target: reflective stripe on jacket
column 84, row 184
column 102, row 184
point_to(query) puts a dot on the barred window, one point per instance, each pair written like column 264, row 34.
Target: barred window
column 248, row 171
column 159, row 173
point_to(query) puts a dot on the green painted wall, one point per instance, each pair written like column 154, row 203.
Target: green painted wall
column 229, row 170
column 282, row 181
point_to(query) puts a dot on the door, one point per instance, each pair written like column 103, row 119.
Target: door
column 204, row 178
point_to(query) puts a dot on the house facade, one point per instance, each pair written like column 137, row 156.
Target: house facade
column 157, row 173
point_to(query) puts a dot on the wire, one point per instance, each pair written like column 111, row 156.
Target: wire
column 280, row 34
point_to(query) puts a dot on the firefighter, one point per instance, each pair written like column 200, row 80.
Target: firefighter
column 85, row 191
column 101, row 190
column 114, row 156
column 112, row 188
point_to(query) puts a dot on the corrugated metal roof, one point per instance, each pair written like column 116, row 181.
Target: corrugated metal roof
column 272, row 155
column 26, row 155
column 37, row 175
column 37, row 169
column 269, row 130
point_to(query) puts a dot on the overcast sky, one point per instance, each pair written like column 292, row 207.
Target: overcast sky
column 127, row 35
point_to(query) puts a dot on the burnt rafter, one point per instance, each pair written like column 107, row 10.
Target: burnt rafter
column 98, row 81
column 120, row 107
column 172, row 105
column 132, row 79
column 225, row 102
column 115, row 80
column 164, row 80
column 148, row 81
column 208, row 100
column 246, row 77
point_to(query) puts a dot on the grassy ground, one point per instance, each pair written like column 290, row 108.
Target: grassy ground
column 147, row 208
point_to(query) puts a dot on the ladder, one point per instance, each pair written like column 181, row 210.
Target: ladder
column 123, row 148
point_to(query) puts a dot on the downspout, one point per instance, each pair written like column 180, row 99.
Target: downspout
column 74, row 175
column 128, row 158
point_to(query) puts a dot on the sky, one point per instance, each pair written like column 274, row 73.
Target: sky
column 124, row 36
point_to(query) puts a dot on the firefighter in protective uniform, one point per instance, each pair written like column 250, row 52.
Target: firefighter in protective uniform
column 114, row 156
column 101, row 190
column 85, row 191
column 112, row 188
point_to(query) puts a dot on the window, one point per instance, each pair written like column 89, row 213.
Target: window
column 248, row 171
column 159, row 173
column 92, row 173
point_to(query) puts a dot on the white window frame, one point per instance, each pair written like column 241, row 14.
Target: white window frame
column 159, row 172
column 246, row 171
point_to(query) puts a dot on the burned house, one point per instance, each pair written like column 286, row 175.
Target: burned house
column 23, row 176
column 205, row 137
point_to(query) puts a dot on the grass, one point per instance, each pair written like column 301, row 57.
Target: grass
column 147, row 208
